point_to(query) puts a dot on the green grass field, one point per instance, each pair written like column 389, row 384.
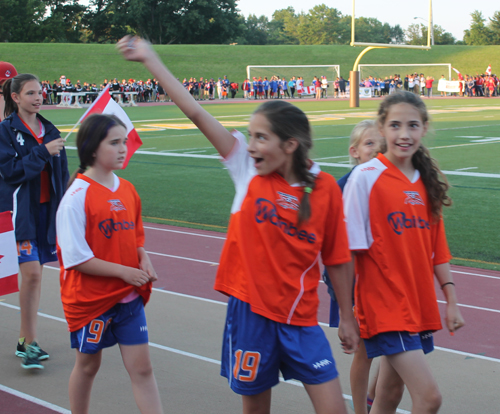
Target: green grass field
column 181, row 181
column 95, row 62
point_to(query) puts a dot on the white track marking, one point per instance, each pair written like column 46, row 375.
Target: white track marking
column 35, row 400
column 467, row 168
column 183, row 258
column 475, row 274
column 473, row 307
column 186, row 232
column 469, row 136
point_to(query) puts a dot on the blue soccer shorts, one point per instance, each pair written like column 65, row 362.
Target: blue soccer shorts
column 390, row 343
column 124, row 323
column 38, row 250
column 255, row 349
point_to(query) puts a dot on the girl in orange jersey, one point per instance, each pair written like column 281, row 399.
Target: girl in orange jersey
column 364, row 144
column 393, row 206
column 106, row 275
column 285, row 216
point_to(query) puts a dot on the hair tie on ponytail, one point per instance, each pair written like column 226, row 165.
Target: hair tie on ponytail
column 308, row 190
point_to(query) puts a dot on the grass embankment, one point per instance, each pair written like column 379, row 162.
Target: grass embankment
column 94, row 63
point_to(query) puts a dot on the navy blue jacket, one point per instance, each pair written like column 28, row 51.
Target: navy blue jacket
column 22, row 160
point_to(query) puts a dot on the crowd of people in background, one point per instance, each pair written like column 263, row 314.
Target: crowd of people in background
column 274, row 87
column 277, row 87
column 486, row 84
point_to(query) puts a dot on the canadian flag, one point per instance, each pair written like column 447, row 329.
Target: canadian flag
column 488, row 70
column 104, row 104
column 9, row 264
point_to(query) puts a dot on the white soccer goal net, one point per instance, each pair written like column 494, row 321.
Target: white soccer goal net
column 382, row 71
column 307, row 72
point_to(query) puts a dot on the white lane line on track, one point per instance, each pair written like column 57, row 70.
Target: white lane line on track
column 183, row 258
column 475, row 274
column 473, row 307
column 35, row 400
column 186, row 232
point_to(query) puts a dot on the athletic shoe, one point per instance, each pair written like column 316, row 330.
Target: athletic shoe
column 42, row 355
column 21, row 351
column 30, row 360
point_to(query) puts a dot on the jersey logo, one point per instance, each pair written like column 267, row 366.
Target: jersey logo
column 288, row 201
column 116, row 205
column 108, row 226
column 398, row 221
column 266, row 212
column 413, row 198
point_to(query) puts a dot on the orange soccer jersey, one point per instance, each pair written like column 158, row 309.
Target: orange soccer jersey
column 94, row 221
column 268, row 261
column 398, row 242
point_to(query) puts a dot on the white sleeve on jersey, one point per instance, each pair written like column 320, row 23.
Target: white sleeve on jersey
column 357, row 203
column 241, row 169
column 71, row 224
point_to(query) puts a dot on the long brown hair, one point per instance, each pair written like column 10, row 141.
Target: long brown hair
column 14, row 85
column 92, row 132
column 287, row 121
column 434, row 180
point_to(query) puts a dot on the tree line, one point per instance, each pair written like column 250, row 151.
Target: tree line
column 212, row 22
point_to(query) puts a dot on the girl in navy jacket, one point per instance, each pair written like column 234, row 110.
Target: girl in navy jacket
column 33, row 177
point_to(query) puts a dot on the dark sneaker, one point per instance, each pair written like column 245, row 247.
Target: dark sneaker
column 42, row 355
column 21, row 351
column 30, row 360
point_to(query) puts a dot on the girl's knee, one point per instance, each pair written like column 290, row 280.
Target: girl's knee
column 142, row 370
column 89, row 370
column 433, row 400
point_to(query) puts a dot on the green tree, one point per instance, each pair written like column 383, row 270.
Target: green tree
column 107, row 20
column 20, row 20
column 416, row 34
column 283, row 27
column 494, row 26
column 322, row 25
column 478, row 33
column 64, row 23
column 185, row 21
column 254, row 31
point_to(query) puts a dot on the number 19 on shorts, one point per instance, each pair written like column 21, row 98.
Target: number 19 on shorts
column 246, row 366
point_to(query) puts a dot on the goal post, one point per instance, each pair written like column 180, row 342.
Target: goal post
column 435, row 70
column 307, row 72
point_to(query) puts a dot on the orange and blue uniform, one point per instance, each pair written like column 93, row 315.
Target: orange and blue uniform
column 94, row 221
column 398, row 241
column 270, row 269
